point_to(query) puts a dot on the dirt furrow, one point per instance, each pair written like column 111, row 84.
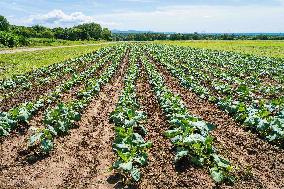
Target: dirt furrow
column 161, row 172
column 80, row 159
column 259, row 164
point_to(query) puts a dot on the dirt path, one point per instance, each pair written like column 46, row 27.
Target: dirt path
column 79, row 160
column 259, row 164
column 48, row 48
column 161, row 171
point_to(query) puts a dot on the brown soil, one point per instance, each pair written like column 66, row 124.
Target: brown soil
column 79, row 160
column 258, row 163
column 161, row 171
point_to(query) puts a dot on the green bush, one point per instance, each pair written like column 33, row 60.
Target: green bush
column 8, row 39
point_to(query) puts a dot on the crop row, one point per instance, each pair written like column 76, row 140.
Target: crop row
column 129, row 144
column 188, row 133
column 209, row 72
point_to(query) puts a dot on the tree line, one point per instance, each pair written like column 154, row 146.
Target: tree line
column 12, row 35
column 193, row 36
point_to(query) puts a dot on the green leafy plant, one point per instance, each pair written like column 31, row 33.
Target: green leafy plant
column 129, row 145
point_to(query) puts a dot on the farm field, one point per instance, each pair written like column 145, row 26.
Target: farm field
column 269, row 48
column 143, row 116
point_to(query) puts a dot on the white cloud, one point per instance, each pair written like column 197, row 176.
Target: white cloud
column 57, row 17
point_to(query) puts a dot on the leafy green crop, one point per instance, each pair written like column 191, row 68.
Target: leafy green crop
column 129, row 145
column 188, row 133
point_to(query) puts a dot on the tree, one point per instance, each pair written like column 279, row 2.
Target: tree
column 196, row 36
column 106, row 34
column 4, row 24
column 74, row 34
column 38, row 28
column 60, row 33
column 23, row 31
column 47, row 34
column 91, row 30
column 8, row 39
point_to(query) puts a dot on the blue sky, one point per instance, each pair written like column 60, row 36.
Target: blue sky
column 154, row 15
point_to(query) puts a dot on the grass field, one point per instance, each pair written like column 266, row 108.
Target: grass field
column 22, row 62
column 261, row 48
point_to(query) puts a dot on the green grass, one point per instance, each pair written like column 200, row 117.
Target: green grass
column 256, row 47
column 42, row 42
column 19, row 63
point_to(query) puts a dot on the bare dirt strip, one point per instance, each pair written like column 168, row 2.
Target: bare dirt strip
column 80, row 159
column 258, row 163
column 161, row 172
